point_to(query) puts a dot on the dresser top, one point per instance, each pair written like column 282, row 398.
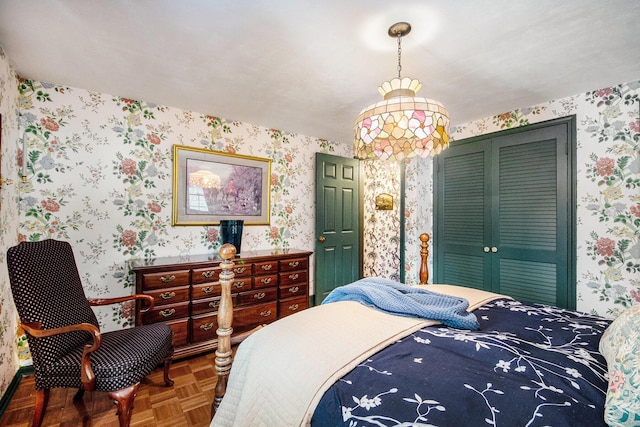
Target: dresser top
column 185, row 261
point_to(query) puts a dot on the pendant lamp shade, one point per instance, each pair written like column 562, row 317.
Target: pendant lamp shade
column 402, row 125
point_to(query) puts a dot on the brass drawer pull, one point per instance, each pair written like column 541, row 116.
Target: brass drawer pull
column 293, row 276
column 260, row 295
column 266, row 281
column 239, row 270
column 168, row 312
column 294, row 289
column 208, row 274
column 207, row 290
column 206, row 326
column 265, row 313
column 167, row 279
column 294, row 264
column 214, row 304
column 167, row 295
column 267, row 267
column 239, row 285
column 293, row 307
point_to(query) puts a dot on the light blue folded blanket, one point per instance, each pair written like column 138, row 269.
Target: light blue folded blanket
column 404, row 300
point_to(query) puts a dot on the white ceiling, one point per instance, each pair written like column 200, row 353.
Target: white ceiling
column 310, row 66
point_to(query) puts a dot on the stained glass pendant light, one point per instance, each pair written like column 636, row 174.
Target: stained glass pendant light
column 402, row 125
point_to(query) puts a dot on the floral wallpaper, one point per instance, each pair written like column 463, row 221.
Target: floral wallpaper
column 608, row 190
column 10, row 338
column 418, row 215
column 99, row 175
column 381, row 248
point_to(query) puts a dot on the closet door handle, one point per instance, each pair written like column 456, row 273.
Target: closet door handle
column 494, row 249
column 486, row 249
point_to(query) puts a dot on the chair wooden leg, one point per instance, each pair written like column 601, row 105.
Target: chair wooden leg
column 79, row 394
column 167, row 364
column 124, row 403
column 42, row 398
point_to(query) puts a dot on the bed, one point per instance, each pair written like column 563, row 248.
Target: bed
column 345, row 363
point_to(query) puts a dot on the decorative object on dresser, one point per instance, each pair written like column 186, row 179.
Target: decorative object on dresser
column 268, row 285
column 67, row 347
column 231, row 232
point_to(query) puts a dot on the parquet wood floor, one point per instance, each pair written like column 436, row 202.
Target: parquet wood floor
column 187, row 403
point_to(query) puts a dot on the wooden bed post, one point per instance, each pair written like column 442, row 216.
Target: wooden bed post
column 424, row 253
column 224, row 331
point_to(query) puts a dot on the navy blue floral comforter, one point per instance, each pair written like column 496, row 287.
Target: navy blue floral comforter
column 527, row 365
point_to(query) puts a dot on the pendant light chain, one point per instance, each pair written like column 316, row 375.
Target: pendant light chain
column 399, row 53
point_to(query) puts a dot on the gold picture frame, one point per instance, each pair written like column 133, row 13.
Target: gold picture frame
column 209, row 186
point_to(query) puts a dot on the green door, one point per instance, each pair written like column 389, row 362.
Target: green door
column 504, row 217
column 463, row 215
column 337, row 250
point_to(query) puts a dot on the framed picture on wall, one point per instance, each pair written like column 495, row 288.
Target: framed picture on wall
column 209, row 186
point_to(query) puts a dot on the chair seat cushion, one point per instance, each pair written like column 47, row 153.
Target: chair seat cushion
column 124, row 358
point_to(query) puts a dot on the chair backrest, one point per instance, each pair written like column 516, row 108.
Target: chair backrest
column 46, row 288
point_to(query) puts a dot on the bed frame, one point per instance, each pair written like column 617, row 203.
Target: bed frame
column 224, row 353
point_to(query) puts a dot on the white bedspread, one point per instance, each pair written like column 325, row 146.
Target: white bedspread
column 280, row 373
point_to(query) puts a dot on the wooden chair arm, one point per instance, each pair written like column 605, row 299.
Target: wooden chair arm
column 106, row 301
column 87, row 377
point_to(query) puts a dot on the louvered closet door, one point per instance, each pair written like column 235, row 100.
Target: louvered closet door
column 503, row 216
column 463, row 217
column 529, row 228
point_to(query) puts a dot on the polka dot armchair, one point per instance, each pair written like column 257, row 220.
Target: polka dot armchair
column 67, row 347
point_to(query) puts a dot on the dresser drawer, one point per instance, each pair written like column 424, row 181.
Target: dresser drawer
column 292, row 305
column 167, row 313
column 241, row 284
column 167, row 279
column 204, row 275
column 265, row 280
column 293, row 278
column 180, row 330
column 293, row 290
column 208, row 305
column 203, row 328
column 257, row 296
column 294, row 264
column 265, row 267
column 169, row 295
column 247, row 317
column 243, row 270
column 212, row 274
column 206, row 290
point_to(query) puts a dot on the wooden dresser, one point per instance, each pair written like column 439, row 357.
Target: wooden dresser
column 268, row 285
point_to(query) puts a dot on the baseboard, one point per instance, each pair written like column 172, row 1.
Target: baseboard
column 22, row 372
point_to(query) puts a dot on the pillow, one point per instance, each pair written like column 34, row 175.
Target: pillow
column 620, row 346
